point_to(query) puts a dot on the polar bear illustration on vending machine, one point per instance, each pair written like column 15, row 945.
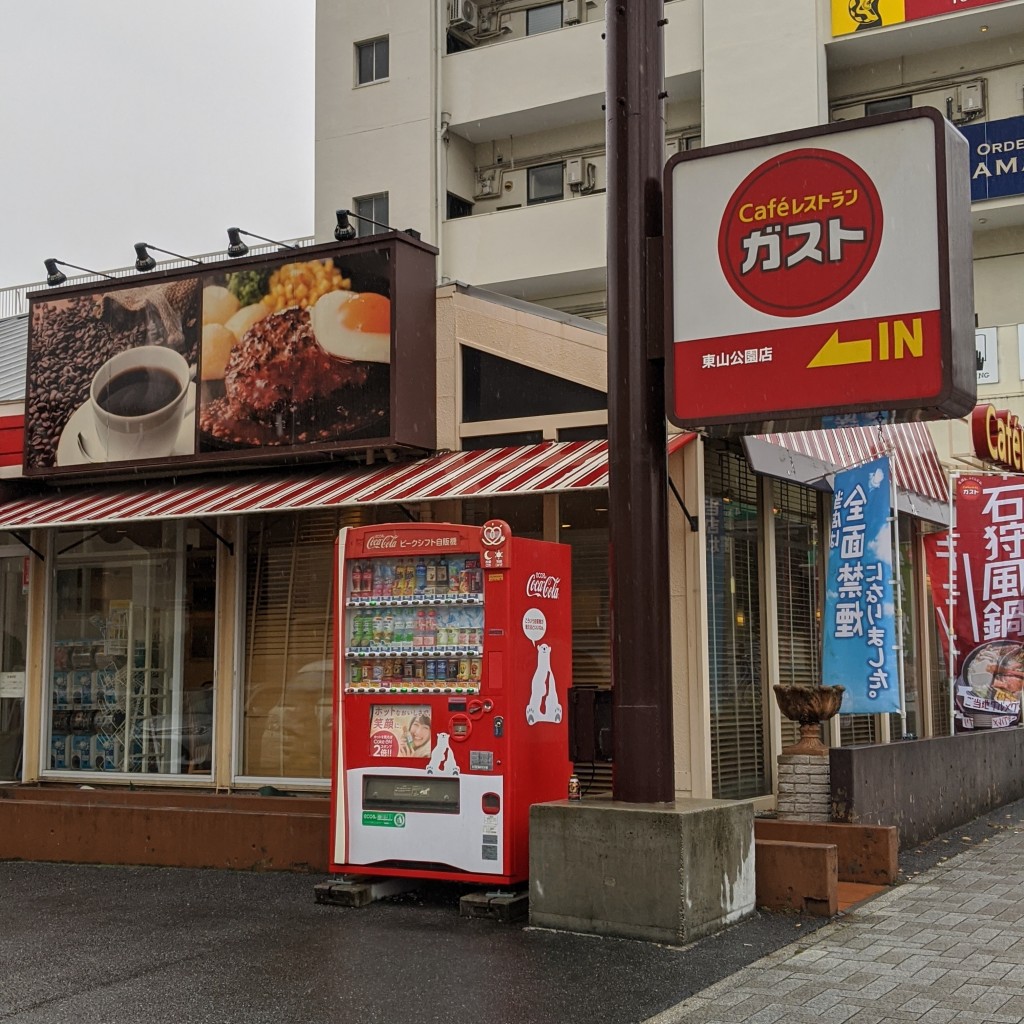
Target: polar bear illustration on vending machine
column 544, row 705
column 442, row 757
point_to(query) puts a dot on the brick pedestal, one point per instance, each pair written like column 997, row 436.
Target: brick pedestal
column 804, row 788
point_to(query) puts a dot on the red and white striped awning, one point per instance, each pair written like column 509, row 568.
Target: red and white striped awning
column 916, row 462
column 537, row 469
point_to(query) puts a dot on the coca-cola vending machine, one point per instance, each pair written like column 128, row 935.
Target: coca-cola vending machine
column 453, row 660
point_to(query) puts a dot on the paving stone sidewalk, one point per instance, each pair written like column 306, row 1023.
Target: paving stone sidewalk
column 946, row 946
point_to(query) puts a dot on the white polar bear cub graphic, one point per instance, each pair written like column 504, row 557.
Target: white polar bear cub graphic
column 543, row 690
column 442, row 757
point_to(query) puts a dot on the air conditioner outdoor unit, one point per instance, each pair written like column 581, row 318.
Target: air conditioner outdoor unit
column 572, row 12
column 462, row 14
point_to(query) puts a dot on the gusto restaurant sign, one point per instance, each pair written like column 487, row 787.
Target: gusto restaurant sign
column 998, row 436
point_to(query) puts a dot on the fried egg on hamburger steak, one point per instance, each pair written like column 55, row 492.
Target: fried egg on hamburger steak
column 353, row 325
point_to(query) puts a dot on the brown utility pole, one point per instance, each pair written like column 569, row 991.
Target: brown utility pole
column 637, row 513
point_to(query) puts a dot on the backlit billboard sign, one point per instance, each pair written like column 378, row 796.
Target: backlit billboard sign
column 825, row 272
column 303, row 354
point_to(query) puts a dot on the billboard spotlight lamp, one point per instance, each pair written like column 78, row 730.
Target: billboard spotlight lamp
column 55, row 277
column 144, row 261
column 345, row 232
column 236, row 247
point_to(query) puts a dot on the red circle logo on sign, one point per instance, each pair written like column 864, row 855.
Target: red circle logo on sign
column 800, row 233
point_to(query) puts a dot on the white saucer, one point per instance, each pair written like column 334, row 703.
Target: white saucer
column 81, row 423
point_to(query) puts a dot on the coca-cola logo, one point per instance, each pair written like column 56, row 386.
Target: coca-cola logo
column 382, row 540
column 540, row 584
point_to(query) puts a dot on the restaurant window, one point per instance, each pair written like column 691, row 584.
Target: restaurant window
column 499, row 389
column 373, row 58
column 14, row 616
column 544, row 183
column 798, row 590
column 524, row 513
column 908, row 621
column 938, row 662
column 739, row 764
column 130, row 653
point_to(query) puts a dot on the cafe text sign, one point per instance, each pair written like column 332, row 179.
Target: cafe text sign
column 812, row 277
column 998, row 437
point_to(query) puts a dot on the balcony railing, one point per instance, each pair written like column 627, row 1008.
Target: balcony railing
column 13, row 301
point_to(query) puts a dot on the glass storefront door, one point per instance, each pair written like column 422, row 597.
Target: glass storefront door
column 14, row 619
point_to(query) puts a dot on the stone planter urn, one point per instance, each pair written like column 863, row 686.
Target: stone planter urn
column 810, row 706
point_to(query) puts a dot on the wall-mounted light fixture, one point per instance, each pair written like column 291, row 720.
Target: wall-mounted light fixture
column 345, row 232
column 144, row 261
column 55, row 277
column 236, row 247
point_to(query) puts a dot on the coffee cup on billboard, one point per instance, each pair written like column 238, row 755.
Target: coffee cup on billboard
column 138, row 400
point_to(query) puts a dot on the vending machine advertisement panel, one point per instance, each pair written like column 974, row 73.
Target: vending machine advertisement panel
column 453, row 659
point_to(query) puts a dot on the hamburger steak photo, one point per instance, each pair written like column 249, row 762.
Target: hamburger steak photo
column 293, row 357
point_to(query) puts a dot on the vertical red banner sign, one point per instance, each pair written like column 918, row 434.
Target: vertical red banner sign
column 982, row 559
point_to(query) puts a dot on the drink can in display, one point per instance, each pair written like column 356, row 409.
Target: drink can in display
column 476, row 667
column 463, row 640
column 463, row 670
column 355, row 586
column 464, row 581
column 377, row 579
column 378, row 672
column 442, row 575
column 409, row 670
column 453, row 578
column 420, row 670
column 431, row 585
column 356, row 674
column 430, row 673
column 366, row 588
column 453, row 670
column 387, row 630
column 421, row 577
column 387, row 580
column 378, row 630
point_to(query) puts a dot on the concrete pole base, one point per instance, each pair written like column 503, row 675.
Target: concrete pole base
column 668, row 873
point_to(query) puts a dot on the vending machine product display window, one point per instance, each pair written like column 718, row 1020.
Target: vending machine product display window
column 121, row 698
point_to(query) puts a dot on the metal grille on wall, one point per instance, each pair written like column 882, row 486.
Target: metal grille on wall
column 798, row 590
column 737, row 682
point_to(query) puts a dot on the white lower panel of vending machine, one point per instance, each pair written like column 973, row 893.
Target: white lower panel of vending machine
column 404, row 814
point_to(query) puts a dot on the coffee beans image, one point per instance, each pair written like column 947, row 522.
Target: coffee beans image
column 71, row 338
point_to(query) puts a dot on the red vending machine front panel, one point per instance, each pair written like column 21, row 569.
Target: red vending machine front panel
column 439, row 753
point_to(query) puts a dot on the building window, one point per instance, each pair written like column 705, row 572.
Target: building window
column 458, row 207
column 545, row 18
column 544, row 183
column 888, row 105
column 368, row 209
column 372, row 59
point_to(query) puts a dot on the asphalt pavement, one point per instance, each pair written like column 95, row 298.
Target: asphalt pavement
column 123, row 945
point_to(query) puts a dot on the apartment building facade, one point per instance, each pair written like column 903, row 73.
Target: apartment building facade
column 482, row 126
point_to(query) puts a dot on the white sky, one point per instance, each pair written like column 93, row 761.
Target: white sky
column 126, row 121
